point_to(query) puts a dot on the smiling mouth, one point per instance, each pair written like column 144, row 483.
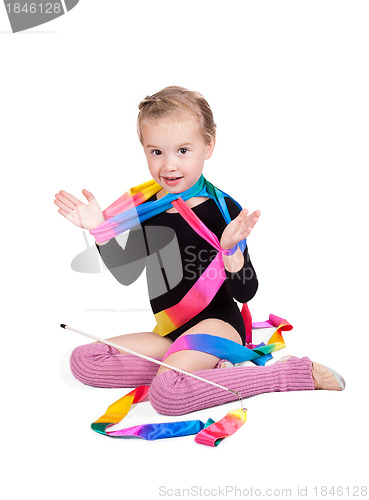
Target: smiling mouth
column 172, row 178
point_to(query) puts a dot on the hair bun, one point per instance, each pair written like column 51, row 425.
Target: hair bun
column 149, row 99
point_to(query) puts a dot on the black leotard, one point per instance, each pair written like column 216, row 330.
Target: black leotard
column 175, row 257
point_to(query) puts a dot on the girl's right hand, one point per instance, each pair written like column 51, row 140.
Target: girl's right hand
column 82, row 215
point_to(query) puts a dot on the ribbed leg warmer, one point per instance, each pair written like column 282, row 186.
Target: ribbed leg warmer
column 101, row 365
column 173, row 393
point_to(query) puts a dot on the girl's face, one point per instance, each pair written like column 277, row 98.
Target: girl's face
column 175, row 151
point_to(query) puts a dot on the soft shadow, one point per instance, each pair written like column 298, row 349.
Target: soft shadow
column 26, row 32
column 65, row 371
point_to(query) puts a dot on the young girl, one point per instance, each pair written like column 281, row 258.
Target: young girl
column 177, row 131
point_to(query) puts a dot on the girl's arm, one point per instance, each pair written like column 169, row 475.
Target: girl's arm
column 241, row 277
column 242, row 284
column 126, row 264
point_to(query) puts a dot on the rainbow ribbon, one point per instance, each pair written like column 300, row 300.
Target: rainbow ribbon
column 233, row 352
column 132, row 207
column 203, row 291
column 210, row 433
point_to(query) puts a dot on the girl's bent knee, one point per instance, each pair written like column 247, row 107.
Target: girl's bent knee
column 170, row 393
column 101, row 365
column 87, row 361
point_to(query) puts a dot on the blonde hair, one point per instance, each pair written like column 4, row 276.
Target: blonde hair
column 172, row 100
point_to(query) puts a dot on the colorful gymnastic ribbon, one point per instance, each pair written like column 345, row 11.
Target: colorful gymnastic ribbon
column 210, row 433
column 132, row 207
column 125, row 213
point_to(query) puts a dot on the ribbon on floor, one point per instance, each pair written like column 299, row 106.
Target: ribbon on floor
column 210, row 433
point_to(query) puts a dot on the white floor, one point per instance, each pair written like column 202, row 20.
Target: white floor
column 290, row 441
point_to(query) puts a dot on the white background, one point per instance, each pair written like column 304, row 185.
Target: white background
column 288, row 84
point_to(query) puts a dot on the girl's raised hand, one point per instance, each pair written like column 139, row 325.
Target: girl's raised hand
column 239, row 228
column 82, row 215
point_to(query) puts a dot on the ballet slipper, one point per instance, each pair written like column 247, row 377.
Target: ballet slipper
column 326, row 378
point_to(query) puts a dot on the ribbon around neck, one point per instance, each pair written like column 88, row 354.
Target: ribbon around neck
column 132, row 207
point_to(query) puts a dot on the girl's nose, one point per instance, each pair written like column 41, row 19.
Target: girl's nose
column 171, row 165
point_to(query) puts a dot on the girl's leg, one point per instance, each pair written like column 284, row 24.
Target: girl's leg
column 173, row 393
column 100, row 365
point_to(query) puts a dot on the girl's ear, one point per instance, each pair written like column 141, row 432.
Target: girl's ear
column 210, row 148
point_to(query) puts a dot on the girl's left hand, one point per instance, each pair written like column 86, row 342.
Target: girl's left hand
column 239, row 228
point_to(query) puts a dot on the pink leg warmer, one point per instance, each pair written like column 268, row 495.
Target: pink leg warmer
column 101, row 365
column 173, row 393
